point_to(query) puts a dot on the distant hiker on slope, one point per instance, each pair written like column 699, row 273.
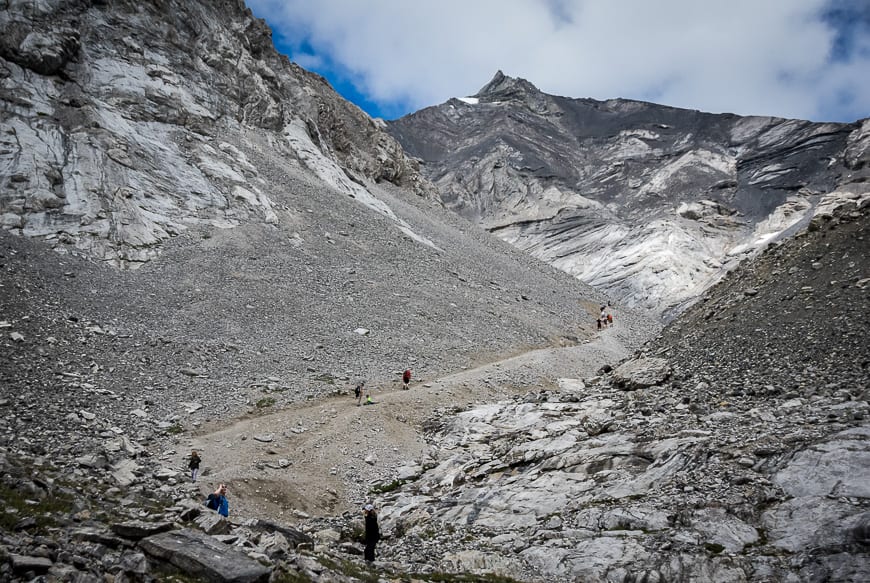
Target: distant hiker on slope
column 358, row 392
column 406, row 379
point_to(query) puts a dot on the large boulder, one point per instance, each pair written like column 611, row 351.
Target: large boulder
column 641, row 373
column 202, row 557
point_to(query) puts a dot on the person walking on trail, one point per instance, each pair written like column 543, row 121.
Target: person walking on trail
column 603, row 317
column 406, row 379
column 598, row 321
column 373, row 532
column 358, row 392
column 193, row 465
column 609, row 319
column 217, row 500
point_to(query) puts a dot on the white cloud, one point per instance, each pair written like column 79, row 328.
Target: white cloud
column 743, row 56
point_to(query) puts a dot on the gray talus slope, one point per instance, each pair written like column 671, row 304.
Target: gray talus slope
column 647, row 202
column 735, row 447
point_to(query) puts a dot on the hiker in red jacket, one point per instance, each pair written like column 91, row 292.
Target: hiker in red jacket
column 406, row 379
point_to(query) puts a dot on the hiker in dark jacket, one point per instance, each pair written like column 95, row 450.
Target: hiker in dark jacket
column 193, row 465
column 373, row 532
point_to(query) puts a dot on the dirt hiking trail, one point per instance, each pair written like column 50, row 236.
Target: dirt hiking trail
column 323, row 457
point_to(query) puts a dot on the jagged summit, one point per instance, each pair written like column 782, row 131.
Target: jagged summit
column 649, row 202
column 502, row 85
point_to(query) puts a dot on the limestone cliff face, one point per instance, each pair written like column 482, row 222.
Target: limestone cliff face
column 125, row 123
column 648, row 202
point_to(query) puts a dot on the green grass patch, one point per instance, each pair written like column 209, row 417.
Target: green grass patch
column 175, row 429
column 283, row 575
column 265, row 402
column 42, row 511
column 325, row 378
column 348, row 568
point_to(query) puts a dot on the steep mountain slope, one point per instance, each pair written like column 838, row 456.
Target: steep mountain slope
column 735, row 447
column 122, row 122
column 300, row 243
column 281, row 246
column 647, row 202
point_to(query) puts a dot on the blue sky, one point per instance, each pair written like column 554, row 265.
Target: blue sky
column 807, row 59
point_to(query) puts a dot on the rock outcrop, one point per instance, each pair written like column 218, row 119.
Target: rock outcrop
column 125, row 124
column 651, row 204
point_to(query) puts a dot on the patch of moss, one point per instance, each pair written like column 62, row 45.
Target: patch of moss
column 175, row 429
column 325, row 378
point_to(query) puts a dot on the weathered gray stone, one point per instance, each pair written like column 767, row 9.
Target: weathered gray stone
column 124, row 472
column 212, row 523
column 199, row 555
column 292, row 535
column 137, row 529
column 641, row 373
column 24, row 563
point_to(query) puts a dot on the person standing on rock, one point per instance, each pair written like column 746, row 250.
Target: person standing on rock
column 217, row 500
column 373, row 532
column 406, row 379
column 193, row 465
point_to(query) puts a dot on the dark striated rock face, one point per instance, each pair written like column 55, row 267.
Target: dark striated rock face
column 124, row 124
column 648, row 202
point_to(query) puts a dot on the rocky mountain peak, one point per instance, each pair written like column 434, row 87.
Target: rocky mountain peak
column 502, row 86
column 648, row 202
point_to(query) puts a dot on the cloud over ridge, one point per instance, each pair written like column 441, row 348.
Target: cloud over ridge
column 807, row 59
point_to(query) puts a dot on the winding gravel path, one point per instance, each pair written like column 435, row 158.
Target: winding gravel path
column 333, row 451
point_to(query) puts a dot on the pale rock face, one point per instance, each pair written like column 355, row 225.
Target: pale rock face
column 603, row 507
column 113, row 140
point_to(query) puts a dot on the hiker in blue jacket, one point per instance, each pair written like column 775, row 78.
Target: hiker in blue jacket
column 217, row 500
